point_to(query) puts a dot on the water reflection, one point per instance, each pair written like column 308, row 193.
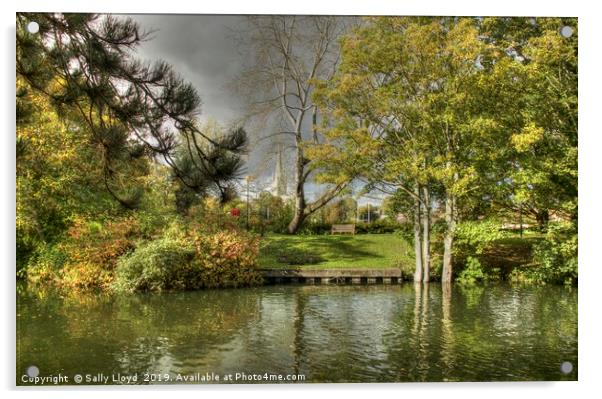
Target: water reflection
column 448, row 347
column 328, row 333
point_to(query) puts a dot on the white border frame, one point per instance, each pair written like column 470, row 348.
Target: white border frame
column 590, row 269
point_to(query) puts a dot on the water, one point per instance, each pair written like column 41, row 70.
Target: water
column 373, row 333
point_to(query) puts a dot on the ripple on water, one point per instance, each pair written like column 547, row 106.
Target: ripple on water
column 329, row 333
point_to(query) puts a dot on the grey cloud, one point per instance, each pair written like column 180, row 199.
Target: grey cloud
column 202, row 49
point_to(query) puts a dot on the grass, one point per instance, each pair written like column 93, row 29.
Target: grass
column 335, row 251
column 378, row 251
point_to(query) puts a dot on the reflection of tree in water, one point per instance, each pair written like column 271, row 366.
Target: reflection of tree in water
column 515, row 330
column 326, row 323
column 298, row 327
column 536, row 318
column 134, row 333
column 448, row 340
column 183, row 329
column 472, row 295
column 341, row 336
column 421, row 347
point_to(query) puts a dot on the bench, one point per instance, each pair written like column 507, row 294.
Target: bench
column 342, row 228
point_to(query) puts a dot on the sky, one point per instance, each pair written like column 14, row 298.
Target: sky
column 203, row 49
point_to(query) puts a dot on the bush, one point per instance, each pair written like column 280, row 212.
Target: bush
column 157, row 265
column 314, row 228
column 86, row 258
column 225, row 259
column 473, row 237
column 190, row 260
column 554, row 258
column 47, row 266
column 472, row 273
column 380, row 226
column 280, row 214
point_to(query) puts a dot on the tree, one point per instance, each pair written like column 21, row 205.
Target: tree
column 58, row 176
column 290, row 54
column 377, row 116
column 340, row 210
column 407, row 104
column 211, row 174
column 369, row 213
column 543, row 154
column 84, row 65
column 464, row 110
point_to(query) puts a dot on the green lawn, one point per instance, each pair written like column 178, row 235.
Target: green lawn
column 335, row 251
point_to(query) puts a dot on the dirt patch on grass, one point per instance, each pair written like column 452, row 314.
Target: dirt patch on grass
column 509, row 253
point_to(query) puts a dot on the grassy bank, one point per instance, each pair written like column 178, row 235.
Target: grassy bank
column 384, row 251
column 335, row 251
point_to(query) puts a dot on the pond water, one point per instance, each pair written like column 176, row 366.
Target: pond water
column 374, row 333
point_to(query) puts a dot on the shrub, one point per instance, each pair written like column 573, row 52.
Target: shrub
column 314, row 228
column 126, row 255
column 380, row 226
column 152, row 224
column 473, row 237
column 554, row 258
column 157, row 265
column 49, row 261
column 225, row 259
column 472, row 273
column 190, row 260
column 280, row 217
column 94, row 248
column 87, row 256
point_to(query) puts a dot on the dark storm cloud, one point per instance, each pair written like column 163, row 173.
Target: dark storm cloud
column 203, row 50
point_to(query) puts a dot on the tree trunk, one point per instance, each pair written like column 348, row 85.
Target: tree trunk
column 426, row 235
column 302, row 208
column 417, row 239
column 300, row 204
column 543, row 217
column 299, row 215
column 448, row 240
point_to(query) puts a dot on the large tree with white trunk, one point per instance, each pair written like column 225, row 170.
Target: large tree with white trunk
column 289, row 54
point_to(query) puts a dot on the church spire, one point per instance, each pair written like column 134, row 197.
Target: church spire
column 279, row 183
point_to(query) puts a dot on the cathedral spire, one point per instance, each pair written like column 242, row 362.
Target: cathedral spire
column 279, row 183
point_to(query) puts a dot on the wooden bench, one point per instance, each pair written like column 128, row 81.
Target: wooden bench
column 342, row 228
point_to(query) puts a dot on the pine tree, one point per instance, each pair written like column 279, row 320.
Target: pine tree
column 84, row 64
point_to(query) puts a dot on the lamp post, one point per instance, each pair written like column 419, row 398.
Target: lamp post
column 248, row 179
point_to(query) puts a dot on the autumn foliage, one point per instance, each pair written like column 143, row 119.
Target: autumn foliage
column 192, row 260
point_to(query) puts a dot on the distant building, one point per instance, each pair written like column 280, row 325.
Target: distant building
column 278, row 186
